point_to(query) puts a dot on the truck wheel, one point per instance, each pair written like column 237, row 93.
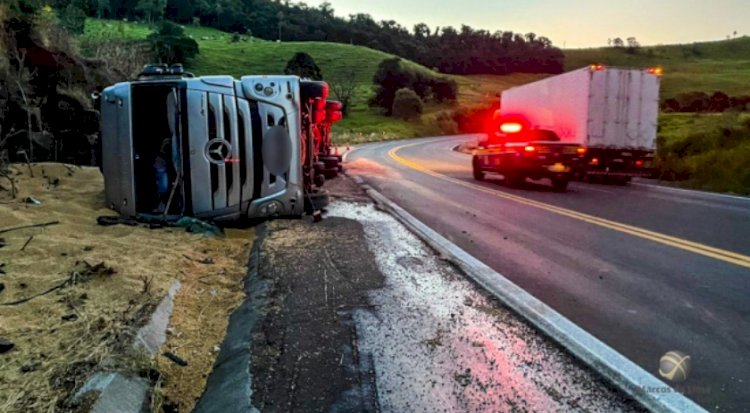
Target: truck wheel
column 330, row 173
column 315, row 201
column 312, row 89
column 560, row 184
column 330, row 161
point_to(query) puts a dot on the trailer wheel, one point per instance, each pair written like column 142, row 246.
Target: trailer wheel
column 315, row 201
column 560, row 184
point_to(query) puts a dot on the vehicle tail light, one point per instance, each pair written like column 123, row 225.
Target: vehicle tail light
column 657, row 71
column 319, row 116
column 529, row 149
column 639, row 164
column 598, row 68
column 581, row 151
column 511, row 127
column 334, row 116
column 595, row 161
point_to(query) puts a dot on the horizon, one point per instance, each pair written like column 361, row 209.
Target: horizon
column 669, row 22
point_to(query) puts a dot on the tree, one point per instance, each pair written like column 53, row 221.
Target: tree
column 445, row 90
column 633, row 45
column 618, row 43
column 389, row 78
column 343, row 86
column 181, row 11
column 73, row 19
column 153, row 10
column 103, row 8
column 304, row 66
column 171, row 45
column 407, row 104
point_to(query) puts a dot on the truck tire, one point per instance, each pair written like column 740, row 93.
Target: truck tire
column 311, row 89
column 330, row 173
column 330, row 161
column 315, row 201
column 478, row 173
column 560, row 184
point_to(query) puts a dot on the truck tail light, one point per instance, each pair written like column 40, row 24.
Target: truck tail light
column 511, row 127
column 656, row 71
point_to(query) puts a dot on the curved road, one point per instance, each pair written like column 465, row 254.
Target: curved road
column 646, row 269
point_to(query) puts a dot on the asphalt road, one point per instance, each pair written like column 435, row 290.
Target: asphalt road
column 645, row 269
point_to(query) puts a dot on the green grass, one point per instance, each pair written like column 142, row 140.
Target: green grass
column 219, row 55
column 706, row 151
column 695, row 67
column 707, row 67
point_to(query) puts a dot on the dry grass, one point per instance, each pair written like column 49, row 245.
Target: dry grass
column 210, row 292
column 53, row 356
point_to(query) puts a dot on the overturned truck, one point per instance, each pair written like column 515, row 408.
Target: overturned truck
column 215, row 147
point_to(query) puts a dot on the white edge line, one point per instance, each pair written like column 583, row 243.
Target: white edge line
column 619, row 370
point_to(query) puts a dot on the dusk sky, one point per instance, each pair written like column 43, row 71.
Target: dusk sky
column 570, row 23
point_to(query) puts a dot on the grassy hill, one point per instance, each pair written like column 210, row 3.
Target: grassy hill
column 218, row 55
column 707, row 67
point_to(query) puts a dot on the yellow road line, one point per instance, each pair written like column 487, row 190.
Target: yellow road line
column 694, row 247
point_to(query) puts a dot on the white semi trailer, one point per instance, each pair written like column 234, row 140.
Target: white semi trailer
column 612, row 112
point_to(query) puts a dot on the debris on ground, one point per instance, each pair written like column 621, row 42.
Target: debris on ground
column 305, row 355
column 5, row 345
column 31, row 201
column 80, row 291
column 439, row 343
column 176, row 359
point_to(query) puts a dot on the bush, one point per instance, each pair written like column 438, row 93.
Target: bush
column 407, row 104
column 445, row 90
column 304, row 66
column 702, row 102
column 171, row 45
column 715, row 160
column 73, row 19
column 392, row 76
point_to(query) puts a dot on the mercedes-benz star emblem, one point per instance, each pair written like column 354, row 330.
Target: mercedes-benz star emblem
column 217, row 151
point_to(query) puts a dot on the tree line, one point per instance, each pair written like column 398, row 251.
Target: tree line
column 463, row 50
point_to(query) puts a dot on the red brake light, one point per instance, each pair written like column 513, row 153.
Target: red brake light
column 511, row 127
column 639, row 164
column 597, row 68
column 581, row 151
column 595, row 161
column 529, row 148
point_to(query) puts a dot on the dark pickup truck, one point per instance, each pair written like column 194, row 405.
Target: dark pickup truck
column 518, row 153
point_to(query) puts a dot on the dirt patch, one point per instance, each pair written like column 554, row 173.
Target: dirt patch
column 109, row 278
column 305, row 355
column 345, row 189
